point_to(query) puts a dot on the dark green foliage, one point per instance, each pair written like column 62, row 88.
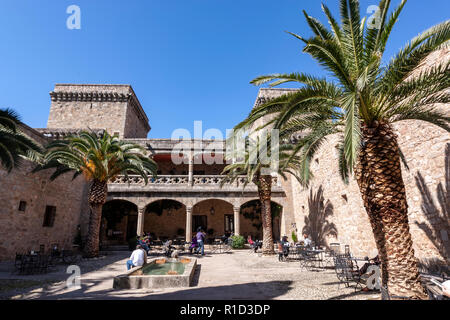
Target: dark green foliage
column 159, row 206
column 15, row 145
column 238, row 242
column 294, row 237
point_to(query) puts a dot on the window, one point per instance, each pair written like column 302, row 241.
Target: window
column 22, row 206
column 49, row 217
column 229, row 223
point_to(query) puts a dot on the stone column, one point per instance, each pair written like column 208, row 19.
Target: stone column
column 140, row 222
column 188, row 224
column 191, row 169
column 237, row 222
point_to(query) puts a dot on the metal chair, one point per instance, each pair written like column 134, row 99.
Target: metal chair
column 347, row 271
column 42, row 263
column 435, row 291
column 305, row 258
column 347, row 250
column 18, row 261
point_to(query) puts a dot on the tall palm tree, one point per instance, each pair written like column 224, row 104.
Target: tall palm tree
column 14, row 144
column 360, row 101
column 253, row 162
column 98, row 159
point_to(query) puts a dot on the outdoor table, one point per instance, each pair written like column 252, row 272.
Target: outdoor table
column 293, row 253
column 316, row 257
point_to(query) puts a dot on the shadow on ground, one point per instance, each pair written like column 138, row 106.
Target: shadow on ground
column 245, row 291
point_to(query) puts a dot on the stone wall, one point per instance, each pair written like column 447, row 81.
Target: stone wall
column 23, row 230
column 167, row 224
column 426, row 148
column 136, row 122
column 111, row 107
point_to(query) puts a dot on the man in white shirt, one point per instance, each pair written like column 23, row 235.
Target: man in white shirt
column 137, row 258
column 306, row 240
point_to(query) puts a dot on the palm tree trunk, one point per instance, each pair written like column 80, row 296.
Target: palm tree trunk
column 264, row 192
column 97, row 197
column 379, row 177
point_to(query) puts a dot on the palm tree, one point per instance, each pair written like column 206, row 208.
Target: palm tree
column 253, row 163
column 98, row 159
column 360, row 101
column 14, row 144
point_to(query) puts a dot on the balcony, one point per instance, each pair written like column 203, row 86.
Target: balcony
column 181, row 183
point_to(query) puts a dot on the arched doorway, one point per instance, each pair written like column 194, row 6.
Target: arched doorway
column 251, row 223
column 165, row 219
column 214, row 216
column 119, row 222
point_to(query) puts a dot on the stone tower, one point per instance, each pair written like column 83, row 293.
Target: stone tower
column 114, row 108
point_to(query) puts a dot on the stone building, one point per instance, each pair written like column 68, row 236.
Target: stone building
column 36, row 212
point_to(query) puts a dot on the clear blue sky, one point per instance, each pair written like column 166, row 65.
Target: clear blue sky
column 187, row 60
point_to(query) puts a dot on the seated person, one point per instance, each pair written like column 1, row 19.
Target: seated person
column 194, row 244
column 285, row 243
column 137, row 258
column 168, row 248
column 143, row 244
column 374, row 261
column 252, row 243
column 306, row 240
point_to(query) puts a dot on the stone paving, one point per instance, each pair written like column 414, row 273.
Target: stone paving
column 235, row 275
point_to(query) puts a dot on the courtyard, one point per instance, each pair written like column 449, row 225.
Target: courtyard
column 327, row 180
column 239, row 274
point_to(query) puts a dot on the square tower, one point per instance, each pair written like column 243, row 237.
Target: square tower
column 114, row 108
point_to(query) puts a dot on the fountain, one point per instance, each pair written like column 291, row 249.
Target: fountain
column 158, row 273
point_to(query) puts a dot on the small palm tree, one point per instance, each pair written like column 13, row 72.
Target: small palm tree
column 360, row 101
column 98, row 159
column 259, row 170
column 14, row 144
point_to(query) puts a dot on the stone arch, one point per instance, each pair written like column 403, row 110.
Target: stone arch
column 122, row 198
column 215, row 216
column 119, row 222
column 251, row 223
column 149, row 201
column 164, row 219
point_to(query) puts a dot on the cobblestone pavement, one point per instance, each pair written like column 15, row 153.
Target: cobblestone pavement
column 236, row 275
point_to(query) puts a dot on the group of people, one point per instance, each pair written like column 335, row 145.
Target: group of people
column 284, row 245
column 144, row 242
